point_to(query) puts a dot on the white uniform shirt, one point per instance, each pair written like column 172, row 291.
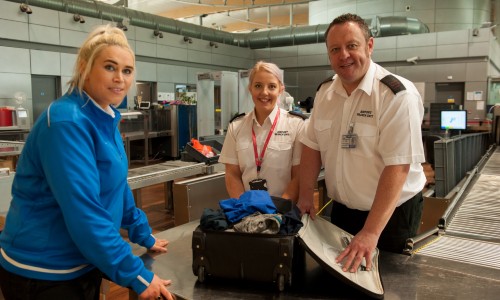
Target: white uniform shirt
column 388, row 126
column 283, row 150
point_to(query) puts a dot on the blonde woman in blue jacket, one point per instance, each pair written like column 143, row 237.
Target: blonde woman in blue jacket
column 70, row 192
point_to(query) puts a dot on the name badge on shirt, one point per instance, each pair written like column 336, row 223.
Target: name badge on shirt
column 349, row 139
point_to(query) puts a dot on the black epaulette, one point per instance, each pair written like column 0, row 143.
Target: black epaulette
column 393, row 83
column 324, row 81
column 236, row 117
column 297, row 114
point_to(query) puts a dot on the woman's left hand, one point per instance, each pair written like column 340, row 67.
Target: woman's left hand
column 159, row 246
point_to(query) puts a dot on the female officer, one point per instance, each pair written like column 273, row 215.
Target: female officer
column 261, row 149
column 70, row 192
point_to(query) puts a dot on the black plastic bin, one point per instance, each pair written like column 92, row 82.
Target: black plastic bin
column 197, row 156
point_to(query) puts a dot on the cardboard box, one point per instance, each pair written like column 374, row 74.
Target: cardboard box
column 9, row 162
column 434, row 209
column 2, row 222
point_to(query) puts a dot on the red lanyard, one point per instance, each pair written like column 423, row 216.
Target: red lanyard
column 258, row 160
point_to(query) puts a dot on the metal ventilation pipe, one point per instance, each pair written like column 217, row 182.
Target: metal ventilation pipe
column 381, row 26
column 396, row 25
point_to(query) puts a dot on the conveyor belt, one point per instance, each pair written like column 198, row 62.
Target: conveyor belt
column 493, row 165
column 163, row 172
column 479, row 214
column 473, row 234
column 465, row 250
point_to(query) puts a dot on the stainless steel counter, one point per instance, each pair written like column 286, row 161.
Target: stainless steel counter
column 404, row 277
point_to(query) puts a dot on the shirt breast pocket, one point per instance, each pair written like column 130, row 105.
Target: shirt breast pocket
column 322, row 129
column 245, row 157
column 366, row 140
column 242, row 145
column 279, row 153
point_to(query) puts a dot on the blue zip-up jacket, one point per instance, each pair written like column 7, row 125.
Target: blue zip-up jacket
column 70, row 199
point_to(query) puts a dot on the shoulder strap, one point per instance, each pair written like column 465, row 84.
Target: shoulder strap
column 237, row 117
column 393, row 83
column 297, row 114
column 324, row 81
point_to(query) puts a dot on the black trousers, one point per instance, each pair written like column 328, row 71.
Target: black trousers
column 402, row 225
column 85, row 287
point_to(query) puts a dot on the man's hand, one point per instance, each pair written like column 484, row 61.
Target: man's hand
column 308, row 175
column 361, row 246
column 307, row 207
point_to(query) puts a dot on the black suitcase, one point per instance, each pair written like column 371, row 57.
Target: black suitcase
column 235, row 255
column 249, row 256
column 274, row 257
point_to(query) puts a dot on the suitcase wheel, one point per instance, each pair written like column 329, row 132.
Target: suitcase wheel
column 201, row 274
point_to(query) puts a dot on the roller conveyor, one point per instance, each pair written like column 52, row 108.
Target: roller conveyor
column 159, row 173
column 473, row 233
column 164, row 173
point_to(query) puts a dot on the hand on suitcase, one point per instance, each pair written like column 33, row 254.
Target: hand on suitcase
column 361, row 246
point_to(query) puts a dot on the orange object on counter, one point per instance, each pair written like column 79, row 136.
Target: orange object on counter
column 203, row 149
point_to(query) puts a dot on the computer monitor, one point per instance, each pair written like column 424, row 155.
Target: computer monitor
column 454, row 119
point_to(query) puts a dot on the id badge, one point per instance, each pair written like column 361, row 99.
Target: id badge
column 349, row 140
column 258, row 184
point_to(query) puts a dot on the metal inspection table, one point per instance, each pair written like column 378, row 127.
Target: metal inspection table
column 403, row 277
column 164, row 173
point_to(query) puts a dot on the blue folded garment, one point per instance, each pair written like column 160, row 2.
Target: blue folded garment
column 248, row 203
column 213, row 219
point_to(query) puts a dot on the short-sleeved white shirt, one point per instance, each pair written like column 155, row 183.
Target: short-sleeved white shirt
column 388, row 128
column 283, row 150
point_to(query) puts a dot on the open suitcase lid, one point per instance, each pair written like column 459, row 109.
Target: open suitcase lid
column 324, row 242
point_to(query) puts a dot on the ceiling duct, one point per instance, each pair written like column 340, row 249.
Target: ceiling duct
column 258, row 39
column 396, row 25
column 381, row 26
column 281, row 37
column 309, row 34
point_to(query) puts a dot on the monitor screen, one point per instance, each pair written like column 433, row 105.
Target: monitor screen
column 454, row 119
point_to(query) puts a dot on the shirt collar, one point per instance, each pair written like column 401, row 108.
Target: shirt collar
column 108, row 109
column 271, row 116
column 366, row 83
